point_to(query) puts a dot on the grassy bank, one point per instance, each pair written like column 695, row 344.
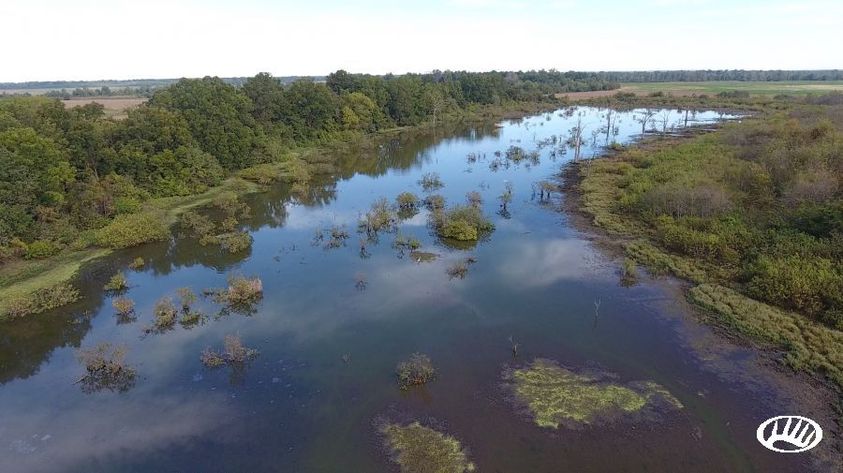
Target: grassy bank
column 30, row 286
column 752, row 213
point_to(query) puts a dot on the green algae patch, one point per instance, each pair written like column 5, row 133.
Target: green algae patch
column 420, row 449
column 554, row 395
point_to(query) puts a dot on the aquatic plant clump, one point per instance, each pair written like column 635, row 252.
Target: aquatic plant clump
column 419, row 449
column 462, row 223
column 243, row 290
column 123, row 306
column 554, row 395
column 430, row 182
column 379, row 218
column 234, row 352
column 165, row 313
column 137, row 263
column 117, row 283
column 105, row 368
column 407, row 200
column 417, row 370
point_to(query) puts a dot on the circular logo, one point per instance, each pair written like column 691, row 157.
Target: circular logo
column 789, row 434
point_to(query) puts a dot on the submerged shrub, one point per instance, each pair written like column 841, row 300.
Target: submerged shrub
column 417, row 370
column 434, row 202
column 463, row 223
column 123, row 305
column 419, row 449
column 234, row 242
column 240, row 291
column 117, row 283
column 474, row 198
column 137, row 263
column 407, row 200
column 379, row 218
column 233, row 352
column 187, row 297
column 409, row 243
column 460, row 268
column 165, row 313
column 105, row 368
column 430, row 182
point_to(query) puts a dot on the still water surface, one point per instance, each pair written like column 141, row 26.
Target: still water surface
column 328, row 346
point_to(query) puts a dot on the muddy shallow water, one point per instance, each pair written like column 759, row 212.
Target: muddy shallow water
column 328, row 345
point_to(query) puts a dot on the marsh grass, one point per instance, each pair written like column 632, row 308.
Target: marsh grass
column 629, row 272
column 41, row 300
column 419, row 449
column 554, row 395
column 808, row 345
column 106, row 369
column 415, row 371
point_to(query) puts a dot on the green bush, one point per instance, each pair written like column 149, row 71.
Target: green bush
column 40, row 249
column 810, row 285
column 117, row 283
column 132, row 230
column 459, row 230
column 462, row 223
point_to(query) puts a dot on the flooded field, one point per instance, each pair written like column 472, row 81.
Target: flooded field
column 544, row 359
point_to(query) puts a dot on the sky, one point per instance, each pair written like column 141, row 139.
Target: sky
column 130, row 39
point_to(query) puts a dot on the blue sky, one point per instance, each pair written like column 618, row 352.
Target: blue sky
column 120, row 39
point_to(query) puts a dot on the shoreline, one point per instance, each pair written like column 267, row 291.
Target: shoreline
column 614, row 245
column 22, row 280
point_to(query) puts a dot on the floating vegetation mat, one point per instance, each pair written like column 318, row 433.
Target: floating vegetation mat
column 554, row 395
column 419, row 449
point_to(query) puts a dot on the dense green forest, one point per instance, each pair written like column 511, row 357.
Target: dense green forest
column 757, row 206
column 66, row 173
column 720, row 75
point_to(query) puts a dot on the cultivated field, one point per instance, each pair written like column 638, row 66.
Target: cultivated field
column 114, row 106
column 754, row 88
column 715, row 87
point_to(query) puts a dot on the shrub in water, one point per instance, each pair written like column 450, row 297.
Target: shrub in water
column 106, row 368
column 165, row 313
column 117, row 283
column 417, row 370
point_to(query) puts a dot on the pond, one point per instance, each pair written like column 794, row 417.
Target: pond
column 334, row 322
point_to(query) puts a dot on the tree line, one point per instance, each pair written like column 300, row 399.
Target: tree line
column 67, row 171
